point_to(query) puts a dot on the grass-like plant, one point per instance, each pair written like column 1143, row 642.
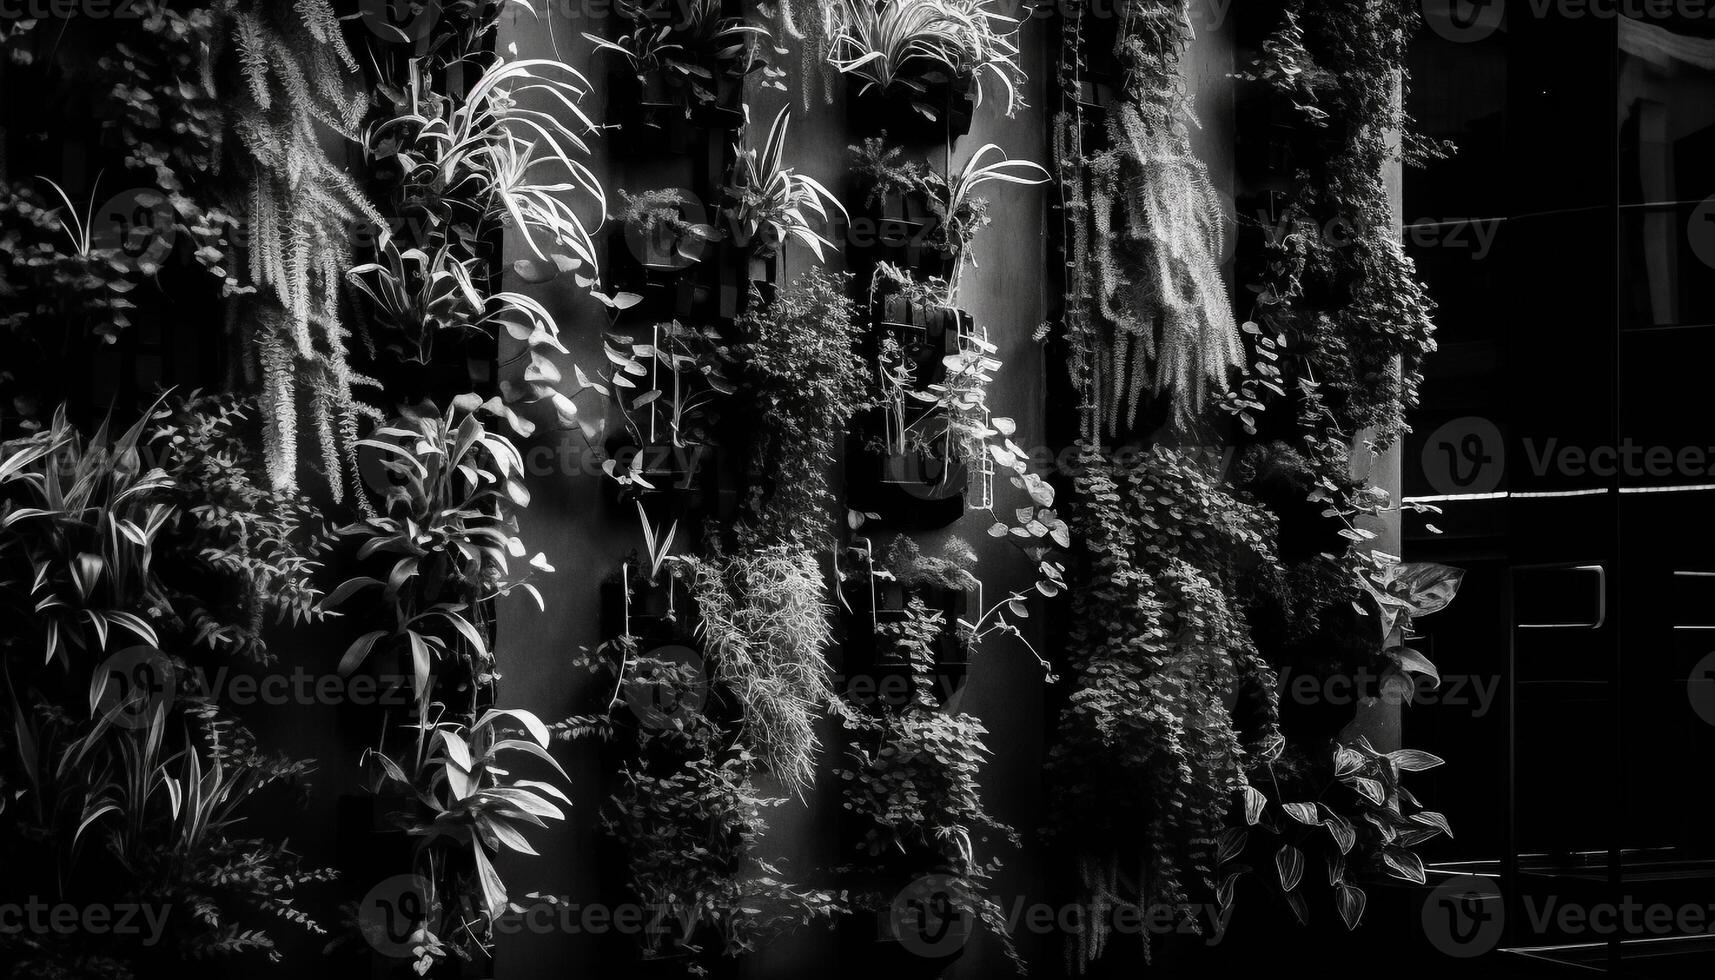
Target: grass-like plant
column 509, row 159
column 906, row 47
column 116, row 793
column 766, row 629
column 953, row 202
column 771, row 203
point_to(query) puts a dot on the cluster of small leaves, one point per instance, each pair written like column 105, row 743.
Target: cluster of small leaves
column 258, row 549
column 803, row 383
column 694, row 50
column 955, row 218
column 1347, row 804
column 171, row 118
column 670, row 389
column 1171, row 697
column 140, row 814
column 49, row 273
column 446, row 534
column 1356, row 302
column 689, row 815
column 912, row 775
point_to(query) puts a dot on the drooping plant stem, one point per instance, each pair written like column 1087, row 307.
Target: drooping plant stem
column 1147, row 312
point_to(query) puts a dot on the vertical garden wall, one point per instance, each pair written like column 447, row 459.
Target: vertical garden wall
column 714, row 488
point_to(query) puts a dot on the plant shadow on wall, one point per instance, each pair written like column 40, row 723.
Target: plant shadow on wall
column 1237, row 543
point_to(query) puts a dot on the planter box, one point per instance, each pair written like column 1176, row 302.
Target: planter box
column 887, row 676
column 906, row 490
column 926, row 335
column 901, row 232
column 668, row 285
column 894, row 111
column 651, row 112
column 658, row 613
column 743, row 269
column 726, row 111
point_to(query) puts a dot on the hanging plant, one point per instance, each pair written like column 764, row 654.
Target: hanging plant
column 1169, row 686
column 1147, row 315
column 803, row 383
column 931, row 53
column 910, row 780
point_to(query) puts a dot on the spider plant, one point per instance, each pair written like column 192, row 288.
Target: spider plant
column 79, row 231
column 491, row 148
column 771, row 203
column 419, row 294
column 649, row 52
column 961, row 212
column 910, row 45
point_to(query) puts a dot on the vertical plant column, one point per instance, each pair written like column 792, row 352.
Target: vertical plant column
column 460, row 149
column 1204, row 577
column 1338, row 291
column 727, row 383
column 929, row 452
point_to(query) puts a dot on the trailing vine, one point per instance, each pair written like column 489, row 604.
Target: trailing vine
column 1278, row 567
column 1147, row 314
